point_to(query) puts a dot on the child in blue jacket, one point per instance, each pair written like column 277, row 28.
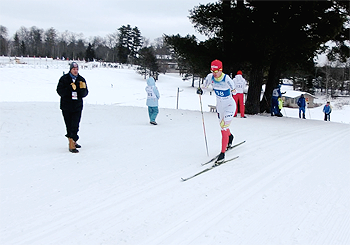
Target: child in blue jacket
column 327, row 109
column 152, row 100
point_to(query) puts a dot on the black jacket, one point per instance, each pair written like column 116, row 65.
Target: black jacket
column 64, row 89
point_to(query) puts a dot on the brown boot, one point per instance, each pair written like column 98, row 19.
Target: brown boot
column 72, row 147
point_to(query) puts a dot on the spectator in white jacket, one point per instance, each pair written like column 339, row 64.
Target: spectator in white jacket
column 240, row 83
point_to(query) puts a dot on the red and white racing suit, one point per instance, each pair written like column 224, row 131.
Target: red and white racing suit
column 240, row 84
column 225, row 104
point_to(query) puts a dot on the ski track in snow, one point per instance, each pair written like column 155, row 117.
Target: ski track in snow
column 226, row 198
column 272, row 194
column 211, row 216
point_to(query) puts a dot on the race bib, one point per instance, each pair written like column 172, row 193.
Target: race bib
column 222, row 93
column 74, row 96
column 150, row 93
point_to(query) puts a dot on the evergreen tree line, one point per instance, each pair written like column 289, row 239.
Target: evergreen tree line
column 123, row 46
column 267, row 40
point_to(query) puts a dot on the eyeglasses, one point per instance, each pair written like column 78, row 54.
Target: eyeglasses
column 216, row 71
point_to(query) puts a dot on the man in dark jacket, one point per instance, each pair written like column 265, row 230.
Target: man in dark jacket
column 302, row 104
column 72, row 89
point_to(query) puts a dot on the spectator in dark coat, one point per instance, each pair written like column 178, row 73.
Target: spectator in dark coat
column 72, row 89
column 302, row 104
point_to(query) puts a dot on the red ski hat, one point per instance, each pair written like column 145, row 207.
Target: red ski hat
column 216, row 65
column 239, row 72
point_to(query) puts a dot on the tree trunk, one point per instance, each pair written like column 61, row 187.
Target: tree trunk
column 240, row 4
column 252, row 105
column 272, row 82
column 226, row 25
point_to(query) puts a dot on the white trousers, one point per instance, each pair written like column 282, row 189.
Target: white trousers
column 226, row 108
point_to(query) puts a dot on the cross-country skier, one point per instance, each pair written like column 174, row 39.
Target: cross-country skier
column 225, row 104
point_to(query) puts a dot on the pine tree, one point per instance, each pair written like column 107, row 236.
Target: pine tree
column 50, row 42
column 124, row 43
column 193, row 58
column 3, row 40
column 147, row 62
column 90, row 53
column 23, row 48
column 16, row 44
column 35, row 39
column 136, row 43
column 129, row 42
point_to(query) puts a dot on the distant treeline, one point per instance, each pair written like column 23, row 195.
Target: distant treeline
column 121, row 46
column 125, row 46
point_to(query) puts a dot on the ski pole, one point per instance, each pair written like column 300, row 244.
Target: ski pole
column 309, row 111
column 205, row 135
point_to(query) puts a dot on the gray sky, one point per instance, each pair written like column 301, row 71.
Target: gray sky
column 101, row 17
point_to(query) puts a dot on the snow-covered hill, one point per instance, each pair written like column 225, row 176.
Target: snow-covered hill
column 290, row 184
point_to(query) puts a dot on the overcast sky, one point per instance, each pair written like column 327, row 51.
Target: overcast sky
column 101, row 17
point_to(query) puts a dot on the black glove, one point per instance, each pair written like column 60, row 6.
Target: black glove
column 199, row 91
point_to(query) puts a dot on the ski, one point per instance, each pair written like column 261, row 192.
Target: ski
column 210, row 168
column 229, row 148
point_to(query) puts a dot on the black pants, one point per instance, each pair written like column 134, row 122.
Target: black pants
column 327, row 117
column 72, row 120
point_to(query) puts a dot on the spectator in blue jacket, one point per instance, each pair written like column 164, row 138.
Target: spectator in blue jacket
column 327, row 109
column 152, row 100
column 301, row 103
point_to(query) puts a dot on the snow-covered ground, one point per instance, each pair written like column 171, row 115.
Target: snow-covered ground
column 290, row 184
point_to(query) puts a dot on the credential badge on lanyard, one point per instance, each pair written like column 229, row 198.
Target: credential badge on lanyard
column 74, row 93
